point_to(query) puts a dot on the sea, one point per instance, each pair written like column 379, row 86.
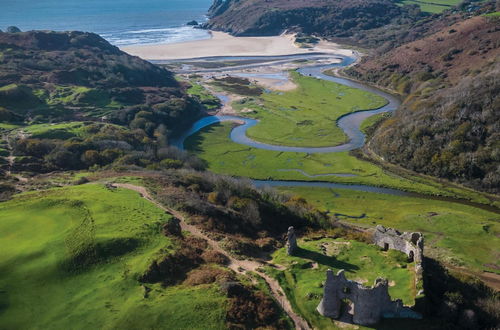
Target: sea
column 121, row 22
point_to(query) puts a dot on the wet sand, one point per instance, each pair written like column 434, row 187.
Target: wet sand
column 223, row 44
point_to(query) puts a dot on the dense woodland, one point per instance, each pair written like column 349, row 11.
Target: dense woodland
column 344, row 20
column 448, row 125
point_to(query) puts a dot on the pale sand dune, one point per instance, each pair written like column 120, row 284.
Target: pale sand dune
column 223, row 44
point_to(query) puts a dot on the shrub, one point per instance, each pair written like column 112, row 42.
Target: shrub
column 207, row 275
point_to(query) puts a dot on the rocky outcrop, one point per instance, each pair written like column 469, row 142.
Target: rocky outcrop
column 371, row 304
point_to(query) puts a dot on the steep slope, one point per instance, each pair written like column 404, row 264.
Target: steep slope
column 50, row 76
column 448, row 125
column 322, row 17
column 70, row 100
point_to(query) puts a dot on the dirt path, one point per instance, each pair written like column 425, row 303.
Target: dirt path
column 239, row 266
column 10, row 158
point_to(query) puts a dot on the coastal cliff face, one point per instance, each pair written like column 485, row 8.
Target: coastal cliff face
column 321, row 17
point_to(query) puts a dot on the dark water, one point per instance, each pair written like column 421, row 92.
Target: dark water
column 122, row 22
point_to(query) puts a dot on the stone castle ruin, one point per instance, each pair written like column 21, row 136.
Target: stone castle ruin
column 412, row 244
column 370, row 303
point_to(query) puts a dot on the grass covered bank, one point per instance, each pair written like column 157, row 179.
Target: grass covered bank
column 213, row 145
column 455, row 234
column 306, row 116
column 71, row 258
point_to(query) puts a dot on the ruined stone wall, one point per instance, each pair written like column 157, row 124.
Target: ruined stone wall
column 370, row 303
column 412, row 244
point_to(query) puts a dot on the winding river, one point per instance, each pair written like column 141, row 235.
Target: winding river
column 349, row 123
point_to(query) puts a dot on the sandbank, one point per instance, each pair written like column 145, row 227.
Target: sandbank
column 223, row 44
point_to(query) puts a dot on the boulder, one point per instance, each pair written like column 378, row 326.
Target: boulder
column 13, row 29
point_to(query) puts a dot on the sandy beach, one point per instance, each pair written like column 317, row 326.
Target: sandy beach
column 223, row 44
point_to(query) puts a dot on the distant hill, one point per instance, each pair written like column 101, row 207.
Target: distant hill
column 448, row 125
column 71, row 100
column 328, row 18
column 53, row 76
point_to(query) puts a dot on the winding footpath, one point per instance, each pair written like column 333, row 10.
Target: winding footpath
column 239, row 266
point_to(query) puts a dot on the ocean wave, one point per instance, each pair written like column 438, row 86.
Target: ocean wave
column 155, row 36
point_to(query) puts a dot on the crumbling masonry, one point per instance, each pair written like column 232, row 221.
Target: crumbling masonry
column 370, row 303
column 412, row 244
column 373, row 303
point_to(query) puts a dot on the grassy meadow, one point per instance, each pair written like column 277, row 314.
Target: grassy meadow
column 224, row 156
column 431, row 6
column 71, row 258
column 304, row 274
column 456, row 234
column 306, row 116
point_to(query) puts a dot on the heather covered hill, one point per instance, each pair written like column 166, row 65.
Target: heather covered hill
column 448, row 125
column 71, row 100
column 53, row 76
column 74, row 58
column 328, row 18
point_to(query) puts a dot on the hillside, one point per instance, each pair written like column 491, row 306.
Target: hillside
column 328, row 18
column 448, row 123
column 71, row 100
column 54, row 76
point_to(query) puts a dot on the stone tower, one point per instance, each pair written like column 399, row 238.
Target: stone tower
column 291, row 244
column 329, row 306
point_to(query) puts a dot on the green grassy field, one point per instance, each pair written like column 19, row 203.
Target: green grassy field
column 454, row 233
column 56, row 131
column 64, row 130
column 94, row 102
column 213, row 145
column 361, row 262
column 203, row 95
column 495, row 14
column 7, row 126
column 306, row 116
column 431, row 6
column 71, row 257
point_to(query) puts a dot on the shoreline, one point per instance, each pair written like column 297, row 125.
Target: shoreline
column 222, row 44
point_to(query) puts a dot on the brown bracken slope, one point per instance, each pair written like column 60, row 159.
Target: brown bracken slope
column 449, row 123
